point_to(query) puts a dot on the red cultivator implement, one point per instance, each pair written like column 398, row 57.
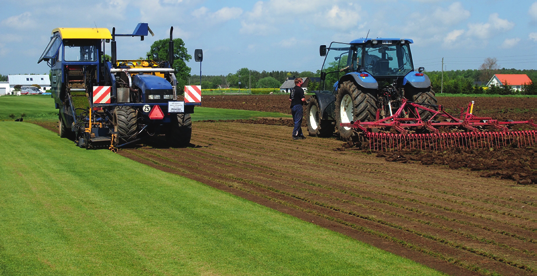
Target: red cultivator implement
column 407, row 130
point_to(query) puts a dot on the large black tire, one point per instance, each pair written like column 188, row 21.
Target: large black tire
column 126, row 123
column 352, row 105
column 62, row 131
column 180, row 131
column 316, row 125
column 427, row 99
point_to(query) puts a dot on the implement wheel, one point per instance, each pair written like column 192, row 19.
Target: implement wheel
column 180, row 131
column 426, row 98
column 126, row 120
column 316, row 125
column 352, row 105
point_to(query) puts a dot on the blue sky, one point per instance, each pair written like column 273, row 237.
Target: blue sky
column 279, row 34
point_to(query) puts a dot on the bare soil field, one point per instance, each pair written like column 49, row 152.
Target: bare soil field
column 436, row 211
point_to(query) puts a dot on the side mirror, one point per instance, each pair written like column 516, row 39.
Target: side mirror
column 322, row 50
column 421, row 69
column 198, row 55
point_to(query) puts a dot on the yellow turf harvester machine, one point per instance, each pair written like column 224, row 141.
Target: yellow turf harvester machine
column 113, row 103
column 372, row 95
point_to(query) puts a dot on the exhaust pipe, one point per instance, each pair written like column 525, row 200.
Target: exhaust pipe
column 170, row 49
column 114, row 51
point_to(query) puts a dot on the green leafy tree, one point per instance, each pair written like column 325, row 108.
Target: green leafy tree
column 530, row 89
column 268, row 82
column 232, row 80
column 205, row 84
column 159, row 52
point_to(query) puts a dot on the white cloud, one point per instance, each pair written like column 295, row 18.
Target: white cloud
column 510, row 43
column 226, row 14
column 274, row 16
column 452, row 38
column 533, row 36
column 453, row 15
column 220, row 16
column 533, row 11
column 342, row 18
column 20, row 22
column 487, row 30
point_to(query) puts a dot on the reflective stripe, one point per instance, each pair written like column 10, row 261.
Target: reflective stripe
column 192, row 93
column 101, row 94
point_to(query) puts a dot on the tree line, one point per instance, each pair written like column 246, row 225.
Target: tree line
column 246, row 78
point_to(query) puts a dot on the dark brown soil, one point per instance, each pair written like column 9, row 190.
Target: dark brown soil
column 432, row 207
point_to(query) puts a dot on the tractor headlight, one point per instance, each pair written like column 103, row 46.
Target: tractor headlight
column 153, row 97
column 168, row 97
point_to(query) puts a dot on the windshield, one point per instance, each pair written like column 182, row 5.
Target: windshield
column 52, row 49
column 387, row 59
column 80, row 51
column 335, row 62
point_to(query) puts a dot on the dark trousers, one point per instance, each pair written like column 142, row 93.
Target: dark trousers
column 296, row 110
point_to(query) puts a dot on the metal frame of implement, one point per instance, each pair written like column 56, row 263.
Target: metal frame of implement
column 468, row 130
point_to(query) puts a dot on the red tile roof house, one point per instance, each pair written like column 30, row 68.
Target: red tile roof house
column 516, row 81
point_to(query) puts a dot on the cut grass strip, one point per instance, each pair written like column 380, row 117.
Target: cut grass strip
column 66, row 210
column 41, row 108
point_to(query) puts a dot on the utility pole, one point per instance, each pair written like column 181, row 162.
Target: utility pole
column 250, row 80
column 442, row 85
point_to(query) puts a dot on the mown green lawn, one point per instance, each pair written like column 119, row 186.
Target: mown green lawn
column 70, row 211
column 41, row 107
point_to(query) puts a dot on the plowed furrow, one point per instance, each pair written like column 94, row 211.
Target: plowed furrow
column 480, row 225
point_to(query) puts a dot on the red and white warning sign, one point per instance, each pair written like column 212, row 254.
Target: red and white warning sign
column 192, row 94
column 101, row 94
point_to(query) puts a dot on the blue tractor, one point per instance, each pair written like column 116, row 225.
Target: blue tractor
column 367, row 80
column 106, row 102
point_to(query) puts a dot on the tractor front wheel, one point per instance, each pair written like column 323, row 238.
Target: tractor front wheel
column 316, row 125
column 180, row 131
column 352, row 105
column 126, row 123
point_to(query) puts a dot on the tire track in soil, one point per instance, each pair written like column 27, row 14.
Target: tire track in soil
column 453, row 221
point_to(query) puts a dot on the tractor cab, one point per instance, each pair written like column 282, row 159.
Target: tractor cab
column 381, row 59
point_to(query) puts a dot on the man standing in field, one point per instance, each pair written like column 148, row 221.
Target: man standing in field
column 297, row 100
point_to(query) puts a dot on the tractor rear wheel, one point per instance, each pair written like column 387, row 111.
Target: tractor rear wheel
column 352, row 105
column 126, row 120
column 316, row 125
column 180, row 131
column 427, row 99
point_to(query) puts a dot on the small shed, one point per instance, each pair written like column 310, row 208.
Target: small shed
column 516, row 81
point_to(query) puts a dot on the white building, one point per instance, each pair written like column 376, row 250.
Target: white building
column 516, row 81
column 28, row 80
column 4, row 88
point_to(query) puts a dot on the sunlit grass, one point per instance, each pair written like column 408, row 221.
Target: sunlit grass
column 70, row 211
